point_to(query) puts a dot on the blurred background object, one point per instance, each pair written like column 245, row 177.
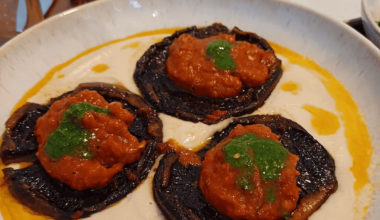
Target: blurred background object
column 371, row 20
column 34, row 14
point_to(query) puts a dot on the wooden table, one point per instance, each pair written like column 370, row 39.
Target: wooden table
column 8, row 9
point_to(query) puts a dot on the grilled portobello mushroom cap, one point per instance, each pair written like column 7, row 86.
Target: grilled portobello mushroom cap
column 152, row 79
column 176, row 190
column 19, row 143
column 34, row 188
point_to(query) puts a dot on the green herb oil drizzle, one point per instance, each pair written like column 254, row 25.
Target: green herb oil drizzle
column 248, row 150
column 219, row 51
column 270, row 195
column 70, row 138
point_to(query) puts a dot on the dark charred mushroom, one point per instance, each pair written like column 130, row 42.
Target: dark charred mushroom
column 34, row 188
column 176, row 190
column 152, row 79
column 19, row 143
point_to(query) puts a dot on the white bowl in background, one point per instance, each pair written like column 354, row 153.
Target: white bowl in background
column 370, row 16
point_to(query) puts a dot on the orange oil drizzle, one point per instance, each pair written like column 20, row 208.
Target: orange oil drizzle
column 132, row 45
column 100, row 68
column 356, row 132
column 324, row 122
column 49, row 75
column 290, row 87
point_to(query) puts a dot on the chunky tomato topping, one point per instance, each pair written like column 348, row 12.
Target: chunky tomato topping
column 186, row 156
column 217, row 75
column 262, row 196
column 104, row 142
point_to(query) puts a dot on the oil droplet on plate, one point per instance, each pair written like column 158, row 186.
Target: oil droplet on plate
column 132, row 45
column 324, row 122
column 100, row 68
column 290, row 87
column 157, row 39
column 60, row 76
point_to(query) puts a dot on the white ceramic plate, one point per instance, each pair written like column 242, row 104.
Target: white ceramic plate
column 333, row 45
column 342, row 10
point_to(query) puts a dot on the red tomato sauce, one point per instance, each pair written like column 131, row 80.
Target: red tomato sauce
column 218, row 183
column 111, row 144
column 190, row 69
column 186, row 156
column 215, row 115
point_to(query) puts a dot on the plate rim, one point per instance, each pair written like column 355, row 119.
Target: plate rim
column 87, row 6
column 371, row 48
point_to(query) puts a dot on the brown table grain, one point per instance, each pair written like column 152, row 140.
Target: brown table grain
column 8, row 11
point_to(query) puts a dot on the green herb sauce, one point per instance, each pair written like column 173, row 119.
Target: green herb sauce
column 70, row 138
column 270, row 195
column 248, row 150
column 287, row 215
column 219, row 51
